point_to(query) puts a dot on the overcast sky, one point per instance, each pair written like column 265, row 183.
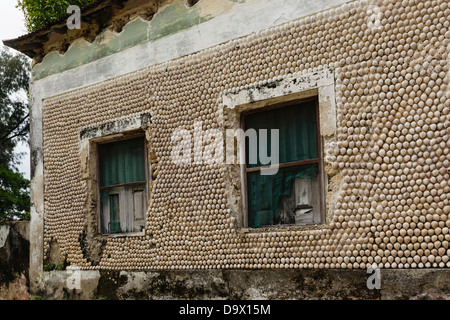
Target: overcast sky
column 12, row 25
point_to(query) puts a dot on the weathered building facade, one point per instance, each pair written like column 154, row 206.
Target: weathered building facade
column 107, row 195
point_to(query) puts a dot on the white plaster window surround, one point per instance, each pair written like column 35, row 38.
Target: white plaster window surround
column 283, row 89
column 291, row 87
column 110, row 132
column 116, row 127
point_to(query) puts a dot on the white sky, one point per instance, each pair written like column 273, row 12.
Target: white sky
column 12, row 25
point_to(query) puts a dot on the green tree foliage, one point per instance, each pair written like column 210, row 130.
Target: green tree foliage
column 38, row 13
column 14, row 128
column 14, row 117
column 14, row 195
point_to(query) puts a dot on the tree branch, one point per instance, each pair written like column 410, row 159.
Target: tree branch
column 5, row 137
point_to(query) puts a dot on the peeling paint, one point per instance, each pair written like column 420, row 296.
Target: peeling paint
column 174, row 18
column 4, row 232
column 169, row 20
column 82, row 52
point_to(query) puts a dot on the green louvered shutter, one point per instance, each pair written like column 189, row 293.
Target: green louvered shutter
column 122, row 162
column 114, row 213
column 297, row 125
column 122, row 175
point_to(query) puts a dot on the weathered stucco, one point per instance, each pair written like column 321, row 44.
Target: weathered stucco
column 14, row 260
column 247, row 285
column 169, row 19
column 172, row 18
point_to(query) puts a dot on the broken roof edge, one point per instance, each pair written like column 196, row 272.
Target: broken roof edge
column 31, row 44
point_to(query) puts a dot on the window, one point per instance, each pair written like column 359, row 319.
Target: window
column 122, row 185
column 292, row 196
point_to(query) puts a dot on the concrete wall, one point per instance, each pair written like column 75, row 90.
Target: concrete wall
column 246, row 285
column 14, row 259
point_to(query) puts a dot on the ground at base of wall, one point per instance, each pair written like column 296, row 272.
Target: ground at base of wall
column 15, row 290
column 14, row 260
column 303, row 284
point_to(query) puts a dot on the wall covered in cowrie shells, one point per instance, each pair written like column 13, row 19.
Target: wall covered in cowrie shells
column 392, row 147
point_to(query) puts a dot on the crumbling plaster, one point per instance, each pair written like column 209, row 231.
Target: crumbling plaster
column 419, row 284
column 175, row 30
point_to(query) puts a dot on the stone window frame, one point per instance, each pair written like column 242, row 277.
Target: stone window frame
column 283, row 89
column 90, row 138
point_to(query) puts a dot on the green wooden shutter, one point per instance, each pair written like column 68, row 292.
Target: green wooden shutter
column 297, row 125
column 114, row 213
column 122, row 162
